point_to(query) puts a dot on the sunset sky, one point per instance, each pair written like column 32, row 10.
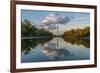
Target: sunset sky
column 49, row 20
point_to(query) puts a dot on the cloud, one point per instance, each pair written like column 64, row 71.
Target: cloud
column 51, row 21
column 55, row 18
column 52, row 27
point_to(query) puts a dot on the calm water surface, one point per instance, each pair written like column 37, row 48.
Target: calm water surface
column 54, row 49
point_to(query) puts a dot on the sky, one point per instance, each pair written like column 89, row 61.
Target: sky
column 50, row 20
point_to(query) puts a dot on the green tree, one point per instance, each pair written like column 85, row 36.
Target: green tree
column 28, row 30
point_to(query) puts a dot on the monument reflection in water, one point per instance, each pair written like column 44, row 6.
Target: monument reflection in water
column 54, row 49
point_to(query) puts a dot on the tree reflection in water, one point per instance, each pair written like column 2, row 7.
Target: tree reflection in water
column 78, row 41
column 51, row 49
column 28, row 44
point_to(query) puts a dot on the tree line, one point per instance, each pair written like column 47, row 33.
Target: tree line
column 85, row 32
column 28, row 30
